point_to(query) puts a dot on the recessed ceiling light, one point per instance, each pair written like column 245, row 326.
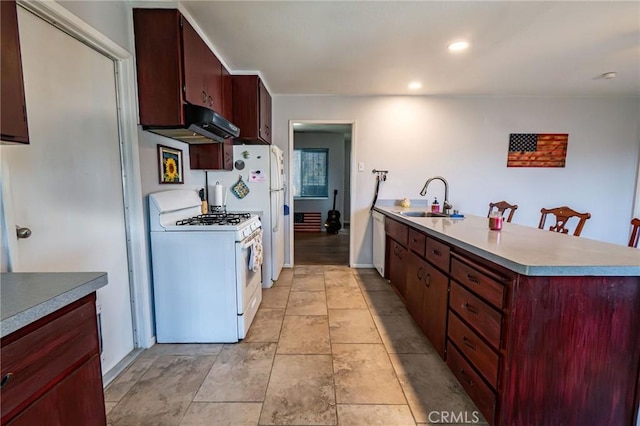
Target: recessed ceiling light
column 414, row 85
column 458, row 45
column 609, row 75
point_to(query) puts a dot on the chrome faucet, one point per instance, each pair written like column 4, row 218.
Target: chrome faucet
column 446, row 206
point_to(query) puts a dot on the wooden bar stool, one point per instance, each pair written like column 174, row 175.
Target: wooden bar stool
column 563, row 214
column 501, row 206
column 635, row 232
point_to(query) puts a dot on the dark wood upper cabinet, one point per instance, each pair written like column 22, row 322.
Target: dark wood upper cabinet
column 252, row 109
column 211, row 156
column 174, row 66
column 13, row 111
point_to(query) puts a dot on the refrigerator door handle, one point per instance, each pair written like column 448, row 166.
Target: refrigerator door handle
column 277, row 222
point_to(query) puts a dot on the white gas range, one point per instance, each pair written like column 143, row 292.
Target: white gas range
column 206, row 270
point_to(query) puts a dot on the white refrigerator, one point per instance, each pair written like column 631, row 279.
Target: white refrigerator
column 261, row 168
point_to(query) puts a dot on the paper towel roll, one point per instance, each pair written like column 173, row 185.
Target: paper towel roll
column 218, row 194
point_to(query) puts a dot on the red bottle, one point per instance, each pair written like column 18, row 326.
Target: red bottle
column 435, row 207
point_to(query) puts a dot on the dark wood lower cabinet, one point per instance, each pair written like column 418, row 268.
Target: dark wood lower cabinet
column 528, row 350
column 434, row 307
column 51, row 370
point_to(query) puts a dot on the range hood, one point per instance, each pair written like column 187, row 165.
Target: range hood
column 201, row 125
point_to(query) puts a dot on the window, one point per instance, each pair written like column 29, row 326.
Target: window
column 310, row 173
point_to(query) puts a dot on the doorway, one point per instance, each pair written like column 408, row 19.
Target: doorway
column 320, row 176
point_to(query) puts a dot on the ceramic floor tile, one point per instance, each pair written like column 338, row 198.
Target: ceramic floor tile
column 266, row 326
column 304, row 335
column 352, row 326
column 340, row 279
column 374, row 415
column 345, row 298
column 308, row 282
column 163, row 393
column 343, row 268
column 308, row 269
column 187, row 349
column 240, row 374
column 222, row 414
column 125, row 381
column 430, row 386
column 284, row 279
column 401, row 335
column 372, row 282
column 384, row 303
column 108, row 406
column 300, row 392
column 275, row 297
column 307, row 303
column 364, row 375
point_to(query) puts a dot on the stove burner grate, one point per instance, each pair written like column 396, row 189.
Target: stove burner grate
column 215, row 219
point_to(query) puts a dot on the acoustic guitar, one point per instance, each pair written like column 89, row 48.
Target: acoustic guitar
column 333, row 224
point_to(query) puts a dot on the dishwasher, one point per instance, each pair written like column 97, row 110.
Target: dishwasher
column 378, row 241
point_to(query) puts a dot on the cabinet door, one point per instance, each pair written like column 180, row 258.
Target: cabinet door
column 265, row 112
column 13, row 120
column 434, row 307
column 77, row 400
column 214, row 81
column 196, row 62
column 416, row 270
column 397, row 267
column 211, row 156
column 227, row 94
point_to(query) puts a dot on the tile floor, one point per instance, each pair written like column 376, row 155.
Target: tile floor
column 329, row 346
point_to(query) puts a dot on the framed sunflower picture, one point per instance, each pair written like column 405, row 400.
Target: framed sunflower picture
column 170, row 164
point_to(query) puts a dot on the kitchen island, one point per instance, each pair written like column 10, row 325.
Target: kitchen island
column 50, row 350
column 538, row 327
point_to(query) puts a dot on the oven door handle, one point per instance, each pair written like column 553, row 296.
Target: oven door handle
column 248, row 242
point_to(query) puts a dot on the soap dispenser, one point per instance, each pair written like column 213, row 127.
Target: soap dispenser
column 435, row 207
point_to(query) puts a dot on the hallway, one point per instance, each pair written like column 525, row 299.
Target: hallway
column 330, row 345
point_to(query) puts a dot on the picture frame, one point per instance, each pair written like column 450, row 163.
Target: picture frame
column 170, row 165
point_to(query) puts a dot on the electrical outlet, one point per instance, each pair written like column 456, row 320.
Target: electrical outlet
column 361, row 166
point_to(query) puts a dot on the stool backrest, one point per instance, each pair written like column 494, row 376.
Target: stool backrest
column 562, row 215
column 501, row 206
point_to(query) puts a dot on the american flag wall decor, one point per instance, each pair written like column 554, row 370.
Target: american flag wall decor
column 537, row 149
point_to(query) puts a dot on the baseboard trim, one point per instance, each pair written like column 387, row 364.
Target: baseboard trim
column 362, row 265
column 287, row 265
column 110, row 375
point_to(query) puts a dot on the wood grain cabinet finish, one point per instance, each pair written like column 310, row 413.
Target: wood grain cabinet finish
column 51, row 369
column 251, row 109
column 396, row 230
column 13, row 110
column 211, row 156
column 398, row 267
column 416, row 271
column 529, row 350
column 174, row 66
column 417, row 241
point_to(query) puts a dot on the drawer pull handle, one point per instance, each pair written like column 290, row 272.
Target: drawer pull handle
column 466, row 377
column 427, row 279
column 471, row 308
column 6, row 379
column 473, row 279
column 468, row 343
column 436, row 252
column 419, row 273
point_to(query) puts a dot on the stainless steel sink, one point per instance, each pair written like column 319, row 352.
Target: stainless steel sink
column 422, row 214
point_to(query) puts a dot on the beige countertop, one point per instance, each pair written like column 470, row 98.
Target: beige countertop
column 527, row 250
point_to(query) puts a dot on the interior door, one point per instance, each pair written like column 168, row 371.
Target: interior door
column 66, row 187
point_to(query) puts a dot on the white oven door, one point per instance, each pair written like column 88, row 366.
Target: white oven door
column 247, row 280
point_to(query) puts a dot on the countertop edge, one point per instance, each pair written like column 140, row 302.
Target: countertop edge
column 28, row 316
column 528, row 270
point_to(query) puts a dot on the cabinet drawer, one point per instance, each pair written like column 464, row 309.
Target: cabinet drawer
column 478, row 352
column 480, row 393
column 485, row 320
column 438, row 253
column 43, row 356
column 417, row 241
column 396, row 230
column 481, row 284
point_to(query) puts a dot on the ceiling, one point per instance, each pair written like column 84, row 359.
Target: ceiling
column 517, row 48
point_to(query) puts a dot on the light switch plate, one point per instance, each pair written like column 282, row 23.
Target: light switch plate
column 361, row 166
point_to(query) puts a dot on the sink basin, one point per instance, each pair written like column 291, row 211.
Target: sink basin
column 422, row 214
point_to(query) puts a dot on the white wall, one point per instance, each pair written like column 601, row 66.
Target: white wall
column 334, row 142
column 466, row 140
column 108, row 17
